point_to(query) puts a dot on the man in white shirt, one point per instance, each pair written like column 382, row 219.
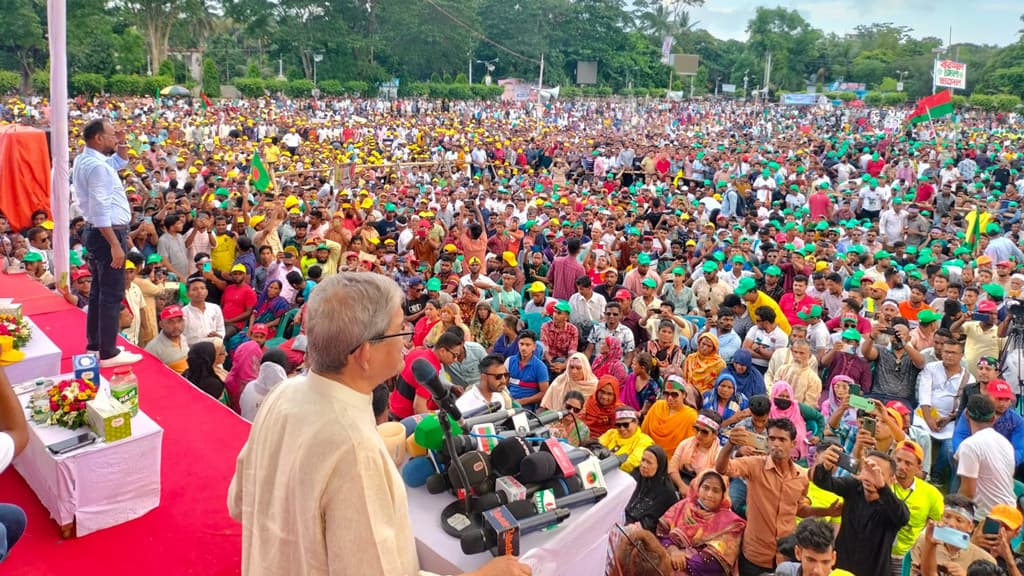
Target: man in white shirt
column 893, row 222
column 13, row 439
column 764, row 338
column 985, row 459
column 492, row 387
column 203, row 320
column 938, row 386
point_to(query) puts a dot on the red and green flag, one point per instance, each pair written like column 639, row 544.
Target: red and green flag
column 206, row 101
column 931, row 107
column 258, row 173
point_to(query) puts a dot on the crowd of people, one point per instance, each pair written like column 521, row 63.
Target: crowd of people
column 799, row 326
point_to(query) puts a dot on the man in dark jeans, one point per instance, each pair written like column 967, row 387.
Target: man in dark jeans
column 102, row 198
column 13, row 439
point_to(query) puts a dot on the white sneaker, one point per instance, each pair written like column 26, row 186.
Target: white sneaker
column 122, row 359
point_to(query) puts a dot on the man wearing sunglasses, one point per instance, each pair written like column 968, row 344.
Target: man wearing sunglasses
column 492, row 387
column 626, row 439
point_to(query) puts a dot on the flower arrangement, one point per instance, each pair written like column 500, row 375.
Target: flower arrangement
column 17, row 328
column 67, row 402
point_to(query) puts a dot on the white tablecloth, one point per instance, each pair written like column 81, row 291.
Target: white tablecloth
column 42, row 358
column 98, row 486
column 577, row 546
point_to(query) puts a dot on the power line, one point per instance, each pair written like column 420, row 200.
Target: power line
column 479, row 34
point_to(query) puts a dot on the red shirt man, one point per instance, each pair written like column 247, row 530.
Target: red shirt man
column 797, row 300
column 238, row 297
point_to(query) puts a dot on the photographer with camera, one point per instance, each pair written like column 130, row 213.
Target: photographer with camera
column 896, row 362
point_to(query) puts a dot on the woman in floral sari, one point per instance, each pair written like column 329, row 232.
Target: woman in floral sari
column 486, row 325
column 609, row 359
column 698, row 536
column 703, row 366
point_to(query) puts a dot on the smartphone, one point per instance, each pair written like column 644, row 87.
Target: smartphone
column 860, row 402
column 206, row 267
column 869, row 424
column 71, row 444
column 951, row 536
column 846, row 462
column 760, row 443
column 991, row 526
column 855, row 390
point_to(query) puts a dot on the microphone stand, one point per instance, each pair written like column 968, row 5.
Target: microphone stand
column 458, row 517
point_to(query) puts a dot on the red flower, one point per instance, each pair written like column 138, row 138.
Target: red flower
column 53, row 406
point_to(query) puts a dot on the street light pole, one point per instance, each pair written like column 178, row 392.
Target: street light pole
column 316, row 60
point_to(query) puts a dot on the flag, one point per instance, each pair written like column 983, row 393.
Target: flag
column 206, row 101
column 930, row 107
column 258, row 173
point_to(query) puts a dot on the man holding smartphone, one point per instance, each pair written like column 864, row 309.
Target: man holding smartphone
column 103, row 202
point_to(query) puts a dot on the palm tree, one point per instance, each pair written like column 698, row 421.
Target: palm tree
column 666, row 19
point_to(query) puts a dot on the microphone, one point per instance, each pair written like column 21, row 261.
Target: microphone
column 581, row 498
column 502, row 530
column 490, row 418
column 554, row 447
column 426, row 376
column 417, row 471
column 438, row 483
column 484, row 409
column 430, row 435
column 592, row 471
column 478, row 470
column 537, row 467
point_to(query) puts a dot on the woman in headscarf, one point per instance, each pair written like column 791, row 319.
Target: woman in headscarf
column 274, row 369
column 783, row 406
column 654, row 493
column 431, row 316
column 599, row 410
column 245, row 364
column 701, row 532
column 725, row 401
column 749, row 380
column 641, row 388
column 270, row 306
column 670, row 420
column 609, row 360
column 577, row 377
column 666, row 350
column 703, row 366
column 697, row 453
column 201, row 357
column 571, row 427
column 486, row 326
column 836, row 408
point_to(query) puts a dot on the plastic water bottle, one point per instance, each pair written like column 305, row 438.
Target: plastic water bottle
column 124, row 387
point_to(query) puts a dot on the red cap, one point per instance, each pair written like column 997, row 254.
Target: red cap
column 849, row 316
column 1000, row 390
column 623, row 294
column 259, row 328
column 1006, row 263
column 987, row 306
column 898, row 406
column 172, row 311
column 80, row 273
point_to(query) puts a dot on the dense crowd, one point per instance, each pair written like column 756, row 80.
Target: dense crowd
column 775, row 314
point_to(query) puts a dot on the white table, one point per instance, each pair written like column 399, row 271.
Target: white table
column 98, row 486
column 577, row 546
column 42, row 358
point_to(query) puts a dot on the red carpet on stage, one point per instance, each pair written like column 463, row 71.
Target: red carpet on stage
column 190, row 532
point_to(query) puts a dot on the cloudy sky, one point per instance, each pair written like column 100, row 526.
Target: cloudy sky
column 979, row 22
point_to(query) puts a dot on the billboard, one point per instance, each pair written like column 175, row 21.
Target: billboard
column 586, row 72
column 685, row 64
column 728, row 88
column 666, row 48
column 799, row 99
column 950, row 74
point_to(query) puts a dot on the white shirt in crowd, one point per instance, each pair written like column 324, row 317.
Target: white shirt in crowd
column 200, row 323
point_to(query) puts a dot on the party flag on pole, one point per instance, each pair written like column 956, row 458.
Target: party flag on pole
column 258, row 173
column 206, row 101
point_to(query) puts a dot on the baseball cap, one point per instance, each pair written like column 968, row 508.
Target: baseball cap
column 1008, row 515
column 745, row 285
column 259, row 328
column 623, row 294
column 538, row 286
column 913, row 447
column 773, row 270
column 238, row 268
column 999, row 390
column 851, row 334
column 643, row 259
column 649, row 282
column 434, row 285
column 563, row 306
column 882, row 254
column 987, row 306
column 709, row 267
column 928, row 316
column 813, row 312
column 172, row 311
column 81, row 273
column 32, row 257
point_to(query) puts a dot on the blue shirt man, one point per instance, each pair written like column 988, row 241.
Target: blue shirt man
column 528, row 379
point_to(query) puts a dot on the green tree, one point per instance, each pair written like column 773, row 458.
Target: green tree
column 21, row 35
column 792, row 43
column 211, row 79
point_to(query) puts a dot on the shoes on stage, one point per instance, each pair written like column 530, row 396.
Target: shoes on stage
column 88, row 351
column 122, row 359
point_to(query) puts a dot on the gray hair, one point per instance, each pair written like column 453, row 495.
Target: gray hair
column 345, row 311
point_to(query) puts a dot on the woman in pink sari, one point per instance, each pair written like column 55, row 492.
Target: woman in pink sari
column 245, row 364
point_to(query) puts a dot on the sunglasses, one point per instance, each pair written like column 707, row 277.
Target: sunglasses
column 612, row 314
column 702, row 431
column 500, row 376
column 573, row 409
column 673, row 394
column 622, row 425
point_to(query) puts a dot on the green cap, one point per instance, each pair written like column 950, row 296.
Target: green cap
column 678, row 271
column 738, row 259
column 75, row 259
column 927, row 316
column 994, row 290
column 389, row 207
column 814, row 312
column 882, row 255
column 709, row 267
column 773, row 270
column 851, row 334
column 649, row 283
column 745, row 285
column 643, row 259
column 32, row 257
column 221, row 192
column 563, row 306
column 154, row 259
column 434, row 285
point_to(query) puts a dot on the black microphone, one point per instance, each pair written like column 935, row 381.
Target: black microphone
column 501, row 530
column 581, row 498
column 484, row 409
column 488, row 418
column 426, row 376
column 549, row 417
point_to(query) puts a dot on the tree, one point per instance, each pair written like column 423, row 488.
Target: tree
column 21, row 35
column 158, row 17
column 791, row 41
column 211, row 79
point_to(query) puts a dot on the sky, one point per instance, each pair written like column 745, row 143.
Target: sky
column 978, row 22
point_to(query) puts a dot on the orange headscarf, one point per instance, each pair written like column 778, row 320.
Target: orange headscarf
column 597, row 417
